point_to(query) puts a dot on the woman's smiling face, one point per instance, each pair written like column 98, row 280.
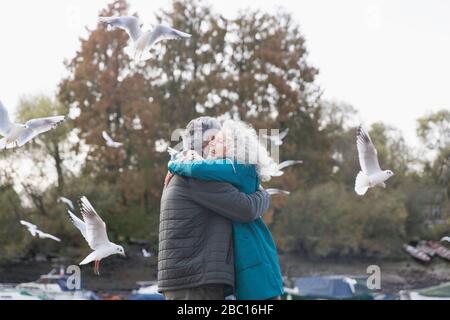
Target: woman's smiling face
column 217, row 147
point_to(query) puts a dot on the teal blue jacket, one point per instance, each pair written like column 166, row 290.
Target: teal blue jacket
column 258, row 272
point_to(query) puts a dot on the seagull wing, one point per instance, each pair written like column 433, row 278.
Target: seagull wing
column 288, row 163
column 277, row 139
column 44, row 124
column 128, row 23
column 271, row 138
column 107, row 137
column 44, row 235
column 53, row 237
column 271, row 170
column 146, row 254
column 67, row 202
column 95, row 227
column 5, row 122
column 277, row 173
column 446, row 239
column 368, row 156
column 37, row 126
column 30, row 226
column 110, row 142
column 162, row 32
column 284, row 134
column 78, row 223
column 274, row 192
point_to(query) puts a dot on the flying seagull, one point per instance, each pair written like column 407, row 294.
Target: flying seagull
column 276, row 170
column 276, row 192
column 36, row 232
column 67, row 202
column 110, row 142
column 289, row 163
column 17, row 135
column 371, row 174
column 93, row 229
column 143, row 41
column 278, row 140
column 146, row 254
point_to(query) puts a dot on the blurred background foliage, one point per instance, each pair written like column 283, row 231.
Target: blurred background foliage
column 253, row 68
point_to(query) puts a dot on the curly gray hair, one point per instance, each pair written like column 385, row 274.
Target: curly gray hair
column 244, row 146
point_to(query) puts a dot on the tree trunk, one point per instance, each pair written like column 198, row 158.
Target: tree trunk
column 58, row 166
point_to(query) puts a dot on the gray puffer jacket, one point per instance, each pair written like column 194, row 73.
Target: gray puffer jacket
column 195, row 236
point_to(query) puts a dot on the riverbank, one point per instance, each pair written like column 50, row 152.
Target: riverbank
column 119, row 276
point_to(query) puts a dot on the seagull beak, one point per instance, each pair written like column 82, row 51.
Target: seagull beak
column 124, row 255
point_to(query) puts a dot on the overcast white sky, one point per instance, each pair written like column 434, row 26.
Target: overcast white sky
column 389, row 59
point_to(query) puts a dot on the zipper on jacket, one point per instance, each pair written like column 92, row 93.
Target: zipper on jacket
column 229, row 249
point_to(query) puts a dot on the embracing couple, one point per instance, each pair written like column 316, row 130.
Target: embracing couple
column 213, row 242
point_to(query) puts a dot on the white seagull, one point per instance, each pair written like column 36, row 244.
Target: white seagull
column 36, row 232
column 276, row 170
column 67, row 202
column 278, row 140
column 17, row 135
column 276, row 192
column 371, row 174
column 93, row 229
column 110, row 142
column 446, row 239
column 143, row 41
column 146, row 254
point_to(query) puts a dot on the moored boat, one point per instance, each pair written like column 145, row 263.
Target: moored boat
column 52, row 286
column 416, row 253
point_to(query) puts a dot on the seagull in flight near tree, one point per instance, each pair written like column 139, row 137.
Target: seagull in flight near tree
column 35, row 232
column 17, row 135
column 143, row 41
column 146, row 254
column 371, row 174
column 276, row 170
column 110, row 142
column 93, row 229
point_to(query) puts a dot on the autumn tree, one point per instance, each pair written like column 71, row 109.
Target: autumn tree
column 272, row 85
column 111, row 94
